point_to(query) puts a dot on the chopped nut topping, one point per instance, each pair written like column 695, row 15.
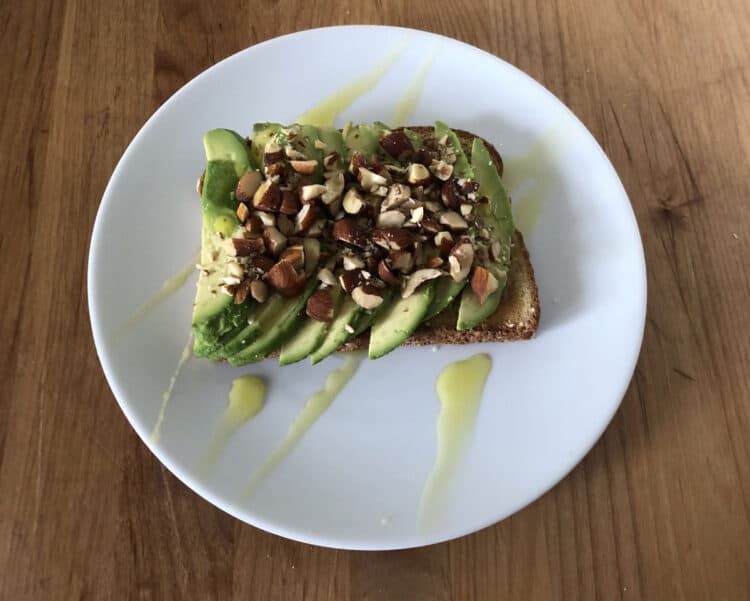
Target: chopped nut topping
column 417, row 174
column 311, row 192
column 242, row 212
column 453, row 220
column 267, row 197
column 307, row 167
column 320, row 306
column 369, row 180
column 326, row 276
column 391, row 219
column 418, row 277
column 353, row 202
column 259, row 291
column 367, row 296
column 483, row 283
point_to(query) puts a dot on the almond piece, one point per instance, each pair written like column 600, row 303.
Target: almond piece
column 260, row 264
column 295, row 255
column 356, row 163
column 317, row 228
column 334, row 188
column 451, row 195
column 289, row 203
column 347, row 230
column 417, row 278
column 444, row 242
column 311, row 247
column 460, row 259
column 496, row 251
column 267, row 219
column 306, row 167
column 352, row 203
column 284, row 278
column 311, row 192
column 275, row 240
column 242, row 292
column 392, row 238
column 259, row 291
column 441, row 170
column 466, row 209
column 248, row 184
column 244, row 247
column 267, row 197
column 326, row 276
column 330, row 161
column 320, row 306
column 430, row 225
column 369, row 179
column 254, row 225
column 272, row 153
column 402, row 260
column 367, row 296
column 242, row 212
column 417, row 174
column 285, row 225
column 349, row 280
column 417, row 214
column 397, row 144
column 306, row 217
column 397, row 195
column 453, row 220
column 294, row 155
column 353, row 262
column 385, row 273
column 390, row 219
column 433, row 262
column 483, row 283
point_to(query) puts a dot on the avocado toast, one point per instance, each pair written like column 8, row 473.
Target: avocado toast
column 317, row 240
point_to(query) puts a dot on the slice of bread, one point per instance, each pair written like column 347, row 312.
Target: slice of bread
column 517, row 315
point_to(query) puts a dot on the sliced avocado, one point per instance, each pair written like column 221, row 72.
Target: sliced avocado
column 366, row 318
column 362, row 138
column 334, row 142
column 213, row 313
column 461, row 166
column 399, row 321
column 341, row 330
column 282, row 325
column 415, row 139
column 446, row 289
column 309, row 336
column 262, row 133
column 260, row 319
column 226, row 145
column 496, row 214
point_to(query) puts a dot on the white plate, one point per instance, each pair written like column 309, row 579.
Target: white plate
column 356, row 478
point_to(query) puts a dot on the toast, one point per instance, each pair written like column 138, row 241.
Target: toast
column 313, row 312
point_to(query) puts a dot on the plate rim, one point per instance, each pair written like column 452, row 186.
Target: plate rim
column 299, row 535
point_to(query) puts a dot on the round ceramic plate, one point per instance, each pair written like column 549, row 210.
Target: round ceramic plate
column 356, row 478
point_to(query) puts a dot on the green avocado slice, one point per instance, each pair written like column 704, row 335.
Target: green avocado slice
column 214, row 314
column 497, row 214
column 281, row 327
column 399, row 321
column 446, row 289
column 309, row 336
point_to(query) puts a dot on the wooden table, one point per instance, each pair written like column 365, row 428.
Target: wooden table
column 660, row 509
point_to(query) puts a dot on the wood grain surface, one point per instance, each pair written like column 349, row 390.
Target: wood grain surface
column 660, row 508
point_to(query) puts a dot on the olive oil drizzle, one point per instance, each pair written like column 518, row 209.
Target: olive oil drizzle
column 314, row 407
column 459, row 389
column 247, row 397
